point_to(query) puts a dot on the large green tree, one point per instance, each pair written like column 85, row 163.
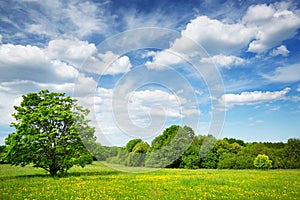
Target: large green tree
column 50, row 132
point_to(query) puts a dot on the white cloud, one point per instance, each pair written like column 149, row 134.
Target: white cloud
column 215, row 36
column 281, row 50
column 18, row 62
column 275, row 108
column 252, row 98
column 107, row 63
column 144, row 113
column 72, row 50
column 262, row 28
column 288, row 73
column 58, row 18
column 142, row 101
column 259, row 13
column 148, row 54
column 0, row 38
column 121, row 65
column 224, row 61
column 29, row 68
column 272, row 24
column 84, row 16
column 298, row 89
column 163, row 60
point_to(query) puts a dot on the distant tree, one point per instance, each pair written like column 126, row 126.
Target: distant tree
column 131, row 144
column 103, row 152
column 120, row 158
column 256, row 148
column 212, row 158
column 293, row 153
column 191, row 159
column 137, row 157
column 244, row 160
column 227, row 161
column 233, row 140
column 51, row 130
column 262, row 161
column 165, row 138
column 142, row 147
column 168, row 148
column 2, row 150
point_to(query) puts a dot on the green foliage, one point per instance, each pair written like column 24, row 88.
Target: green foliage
column 131, row 144
column 179, row 147
column 136, row 160
column 210, row 161
column 262, row 161
column 137, row 157
column 190, row 159
column 103, row 152
column 51, row 131
column 169, row 147
column 244, row 160
column 293, row 153
column 233, row 140
column 2, row 150
column 141, row 147
column 120, row 158
column 165, row 138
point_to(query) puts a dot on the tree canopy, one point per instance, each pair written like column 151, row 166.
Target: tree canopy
column 179, row 147
column 50, row 132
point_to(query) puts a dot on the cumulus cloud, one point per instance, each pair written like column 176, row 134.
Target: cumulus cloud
column 163, row 59
column 27, row 68
column 144, row 109
column 216, row 36
column 18, row 62
column 298, row 89
column 281, row 50
column 259, row 13
column 272, row 24
column 72, row 50
column 224, row 61
column 252, row 98
column 107, row 63
column 260, row 29
column 289, row 73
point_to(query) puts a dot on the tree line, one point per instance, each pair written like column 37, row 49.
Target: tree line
column 179, row 147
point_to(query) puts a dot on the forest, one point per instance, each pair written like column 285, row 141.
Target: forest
column 179, row 147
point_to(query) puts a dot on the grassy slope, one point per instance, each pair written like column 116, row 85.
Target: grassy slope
column 99, row 182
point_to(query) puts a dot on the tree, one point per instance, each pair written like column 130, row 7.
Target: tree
column 2, row 150
column 51, row 131
column 168, row 148
column 137, row 157
column 293, row 153
column 165, row 138
column 131, row 144
column 141, row 147
column 262, row 161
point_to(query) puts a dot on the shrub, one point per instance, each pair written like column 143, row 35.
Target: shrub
column 262, row 161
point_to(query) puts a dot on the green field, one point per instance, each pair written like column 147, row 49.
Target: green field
column 99, row 182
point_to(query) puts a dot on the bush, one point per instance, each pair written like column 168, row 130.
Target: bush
column 262, row 161
column 136, row 160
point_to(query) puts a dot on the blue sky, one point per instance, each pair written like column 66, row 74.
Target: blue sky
column 227, row 68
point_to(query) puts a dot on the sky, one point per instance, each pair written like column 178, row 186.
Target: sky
column 227, row 68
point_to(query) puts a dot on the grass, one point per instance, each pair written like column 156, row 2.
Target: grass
column 100, row 182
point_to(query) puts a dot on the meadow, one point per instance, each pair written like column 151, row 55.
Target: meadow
column 97, row 181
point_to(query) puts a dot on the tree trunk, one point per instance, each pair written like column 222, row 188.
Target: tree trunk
column 53, row 170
